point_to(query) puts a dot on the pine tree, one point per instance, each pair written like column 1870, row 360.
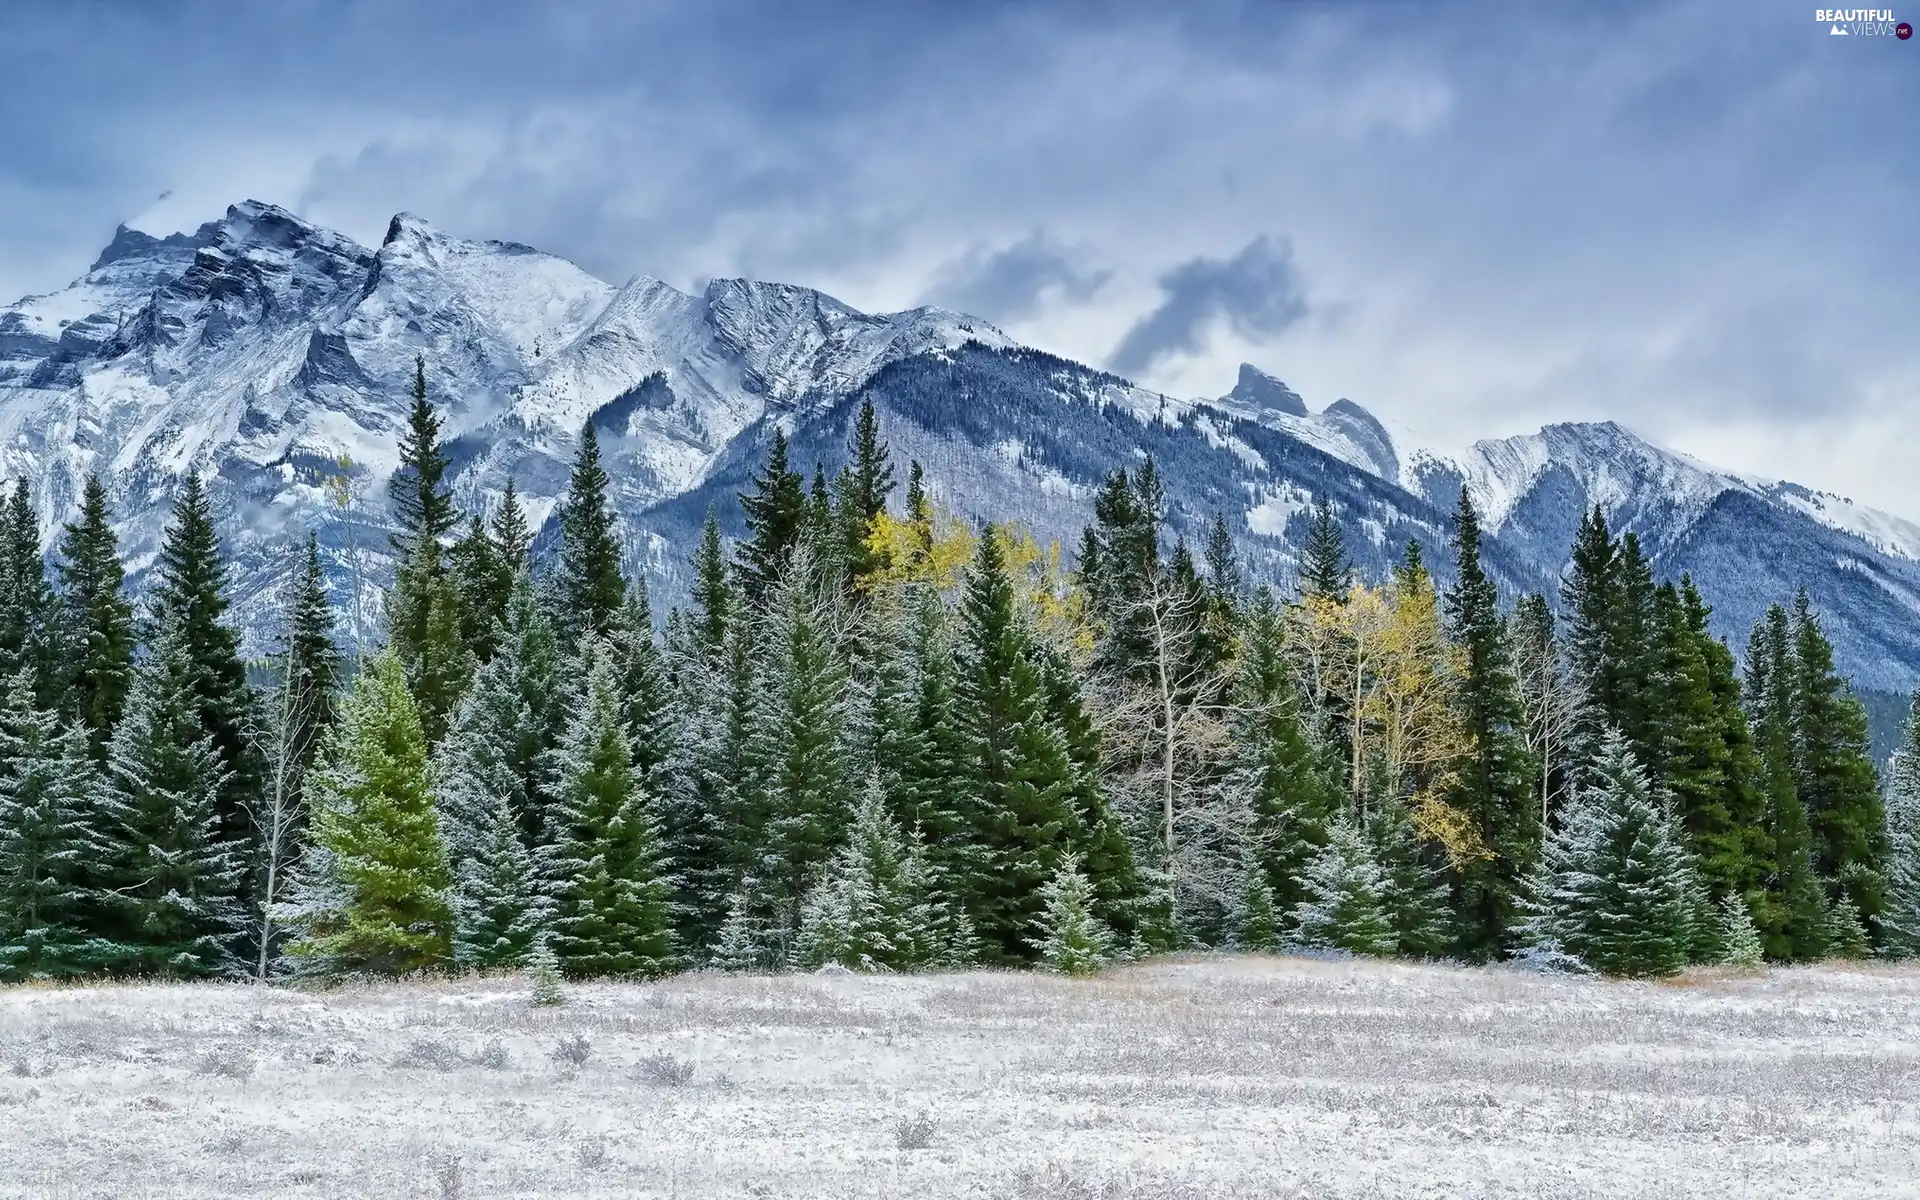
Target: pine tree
column 97, row 618
column 1493, row 788
column 1119, row 560
column 170, row 877
column 309, row 661
column 1017, row 774
column 29, row 633
column 713, row 599
column 1072, row 941
column 1833, row 770
column 603, row 869
column 774, row 510
column 866, row 913
column 1273, row 768
column 646, row 700
column 1740, row 944
column 1900, row 911
column 1256, row 919
column 543, row 972
column 48, row 840
column 1413, row 894
column 191, row 597
column 1588, row 601
column 482, row 579
column 1324, row 569
column 500, row 913
column 423, row 506
column 375, row 898
column 1343, row 898
column 1611, row 889
column 512, row 535
column 800, row 741
column 591, row 586
column 1792, row 911
column 869, row 480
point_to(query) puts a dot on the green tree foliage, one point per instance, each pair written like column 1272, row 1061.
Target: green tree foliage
column 48, row 839
column 870, row 910
column 775, row 510
column 1833, row 770
column 1256, row 914
column 603, row 867
column 1324, row 568
column 29, row 637
column 1612, row 887
column 1740, row 944
column 425, row 625
column 374, row 900
column 591, row 586
column 170, row 875
column 1792, row 910
column 1900, row 909
column 1071, row 940
column 713, row 592
column 866, row 484
column 1343, row 902
column 1493, row 788
column 97, row 619
column 191, row 598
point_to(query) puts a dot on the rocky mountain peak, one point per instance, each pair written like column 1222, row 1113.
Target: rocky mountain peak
column 1261, row 392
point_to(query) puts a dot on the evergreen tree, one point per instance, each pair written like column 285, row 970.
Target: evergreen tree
column 774, row 510
column 191, row 598
column 591, row 587
column 1833, row 770
column 1017, row 774
column 640, row 674
column 802, row 797
column 500, row 914
column 1588, row 601
column 1413, row 894
column 1256, row 918
column 423, row 505
column 713, row 600
column 1072, row 941
column 98, row 619
column 1119, row 560
column 1792, row 911
column 482, row 579
column 869, row 480
column 866, row 913
column 1343, row 898
column 48, row 840
column 610, row 913
column 375, row 896
column 543, row 972
column 309, row 661
column 1324, row 569
column 170, row 878
column 29, row 636
column 1740, row 944
column 1611, row 889
column 1900, row 910
column 1273, row 767
column 512, row 535
column 1494, row 786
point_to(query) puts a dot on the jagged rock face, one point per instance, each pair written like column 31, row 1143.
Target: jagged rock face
column 275, row 358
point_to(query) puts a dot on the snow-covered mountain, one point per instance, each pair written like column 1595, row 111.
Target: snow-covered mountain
column 275, row 358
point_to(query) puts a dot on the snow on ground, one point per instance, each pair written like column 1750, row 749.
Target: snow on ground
column 1190, row 1078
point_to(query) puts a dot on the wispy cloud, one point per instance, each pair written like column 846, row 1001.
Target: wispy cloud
column 1257, row 294
column 1011, row 283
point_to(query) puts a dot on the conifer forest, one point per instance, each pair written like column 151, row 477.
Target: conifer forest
column 877, row 737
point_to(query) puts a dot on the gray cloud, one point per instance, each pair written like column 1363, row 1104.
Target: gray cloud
column 1011, row 283
column 1257, row 293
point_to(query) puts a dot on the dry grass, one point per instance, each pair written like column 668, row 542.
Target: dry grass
column 1202, row 1077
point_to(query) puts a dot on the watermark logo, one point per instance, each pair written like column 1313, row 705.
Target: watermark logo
column 1862, row 22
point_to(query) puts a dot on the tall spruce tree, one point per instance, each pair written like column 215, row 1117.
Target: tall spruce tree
column 869, row 911
column 425, row 625
column 374, row 897
column 191, row 598
column 867, row 483
column 29, row 633
column 422, row 503
column 603, row 868
column 97, row 619
column 482, row 578
column 1588, row 602
column 1792, row 914
column 309, row 661
column 713, row 592
column 591, row 586
column 1493, row 787
column 775, row 510
column 1900, row 908
column 1017, row 774
column 1274, row 766
column 646, row 695
column 48, row 839
column 1612, row 888
column 170, row 873
column 1324, row 568
column 1833, row 770
column 1343, row 901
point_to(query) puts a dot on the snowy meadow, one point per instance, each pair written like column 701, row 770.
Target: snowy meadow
column 1195, row 1077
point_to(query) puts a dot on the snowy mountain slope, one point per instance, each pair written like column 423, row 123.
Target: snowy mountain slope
column 276, row 358
column 1747, row 542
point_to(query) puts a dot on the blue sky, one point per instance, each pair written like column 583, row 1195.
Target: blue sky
column 1696, row 218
